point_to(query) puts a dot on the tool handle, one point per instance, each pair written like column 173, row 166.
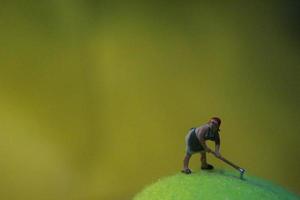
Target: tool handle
column 227, row 161
column 230, row 163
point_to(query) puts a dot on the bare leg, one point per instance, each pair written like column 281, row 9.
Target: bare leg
column 186, row 161
column 203, row 159
column 204, row 164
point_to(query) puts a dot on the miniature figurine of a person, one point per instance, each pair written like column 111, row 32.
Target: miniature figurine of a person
column 195, row 142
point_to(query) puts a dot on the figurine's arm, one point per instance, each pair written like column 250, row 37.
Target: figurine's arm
column 202, row 140
column 217, row 145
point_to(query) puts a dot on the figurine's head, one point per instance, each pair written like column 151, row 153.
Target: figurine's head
column 215, row 123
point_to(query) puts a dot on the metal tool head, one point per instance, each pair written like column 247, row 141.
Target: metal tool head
column 242, row 171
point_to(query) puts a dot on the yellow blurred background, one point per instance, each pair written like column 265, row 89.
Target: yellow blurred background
column 96, row 97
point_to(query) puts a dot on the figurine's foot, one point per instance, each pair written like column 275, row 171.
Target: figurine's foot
column 207, row 167
column 186, row 171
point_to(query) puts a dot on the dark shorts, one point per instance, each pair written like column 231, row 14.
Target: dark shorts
column 192, row 143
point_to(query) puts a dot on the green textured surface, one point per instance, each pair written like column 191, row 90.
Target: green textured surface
column 217, row 184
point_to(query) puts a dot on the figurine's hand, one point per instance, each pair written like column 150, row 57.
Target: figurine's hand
column 217, row 154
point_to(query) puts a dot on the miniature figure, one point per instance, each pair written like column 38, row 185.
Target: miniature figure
column 195, row 142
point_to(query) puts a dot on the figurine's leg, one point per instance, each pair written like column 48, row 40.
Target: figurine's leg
column 186, row 161
column 203, row 159
column 204, row 164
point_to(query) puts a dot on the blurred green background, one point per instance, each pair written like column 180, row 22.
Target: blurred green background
column 96, row 97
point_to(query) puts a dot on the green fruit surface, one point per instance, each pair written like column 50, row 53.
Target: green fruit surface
column 215, row 184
